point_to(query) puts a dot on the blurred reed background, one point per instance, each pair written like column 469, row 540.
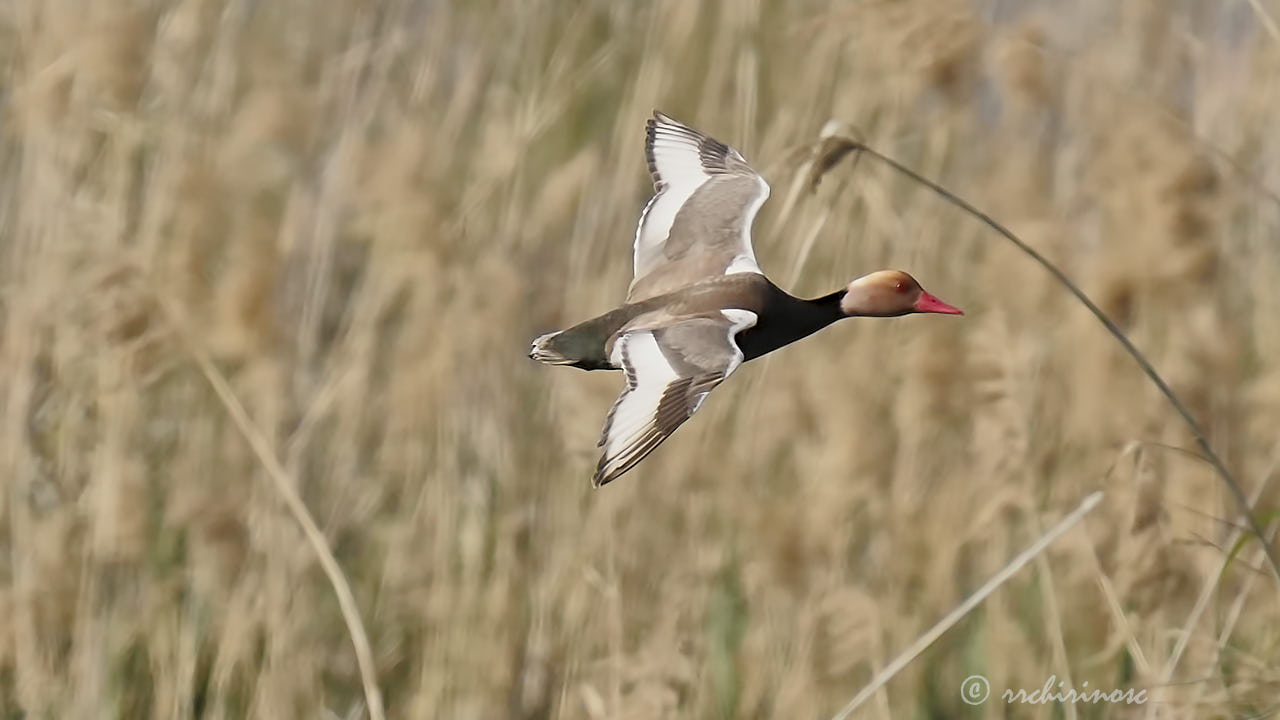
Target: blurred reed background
column 365, row 210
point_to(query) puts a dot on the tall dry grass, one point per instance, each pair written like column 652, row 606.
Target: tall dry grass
column 363, row 211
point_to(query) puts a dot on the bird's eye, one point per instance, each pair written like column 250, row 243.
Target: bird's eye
column 899, row 286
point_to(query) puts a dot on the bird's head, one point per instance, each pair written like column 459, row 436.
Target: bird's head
column 889, row 293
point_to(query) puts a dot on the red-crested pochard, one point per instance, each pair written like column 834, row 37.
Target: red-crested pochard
column 699, row 306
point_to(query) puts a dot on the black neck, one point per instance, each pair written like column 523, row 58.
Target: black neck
column 790, row 319
column 810, row 316
column 826, row 307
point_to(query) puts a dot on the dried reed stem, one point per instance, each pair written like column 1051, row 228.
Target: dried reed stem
column 1228, row 627
column 284, row 485
column 1201, row 438
column 1268, row 22
column 1206, row 593
column 953, row 617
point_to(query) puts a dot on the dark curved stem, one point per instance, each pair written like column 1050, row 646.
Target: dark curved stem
column 1201, row 439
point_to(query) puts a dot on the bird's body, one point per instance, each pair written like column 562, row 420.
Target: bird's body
column 699, row 305
column 588, row 344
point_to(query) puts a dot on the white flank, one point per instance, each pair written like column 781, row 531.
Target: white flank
column 743, row 264
column 740, row 319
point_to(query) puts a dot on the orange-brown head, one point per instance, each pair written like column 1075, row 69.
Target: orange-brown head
column 889, row 293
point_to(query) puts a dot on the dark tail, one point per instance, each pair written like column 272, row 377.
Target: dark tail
column 544, row 351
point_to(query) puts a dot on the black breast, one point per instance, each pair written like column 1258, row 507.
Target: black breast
column 785, row 319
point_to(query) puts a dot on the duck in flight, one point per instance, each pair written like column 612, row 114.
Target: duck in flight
column 699, row 305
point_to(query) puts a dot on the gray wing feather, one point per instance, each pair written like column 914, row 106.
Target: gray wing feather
column 699, row 220
column 669, row 370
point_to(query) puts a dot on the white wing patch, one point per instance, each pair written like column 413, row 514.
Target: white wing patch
column 696, row 174
column 677, row 169
column 659, row 397
column 630, row 428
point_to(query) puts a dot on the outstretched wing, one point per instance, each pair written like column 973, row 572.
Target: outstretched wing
column 669, row 372
column 698, row 223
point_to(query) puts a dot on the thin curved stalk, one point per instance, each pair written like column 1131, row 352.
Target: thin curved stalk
column 284, row 486
column 1201, row 438
column 957, row 614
